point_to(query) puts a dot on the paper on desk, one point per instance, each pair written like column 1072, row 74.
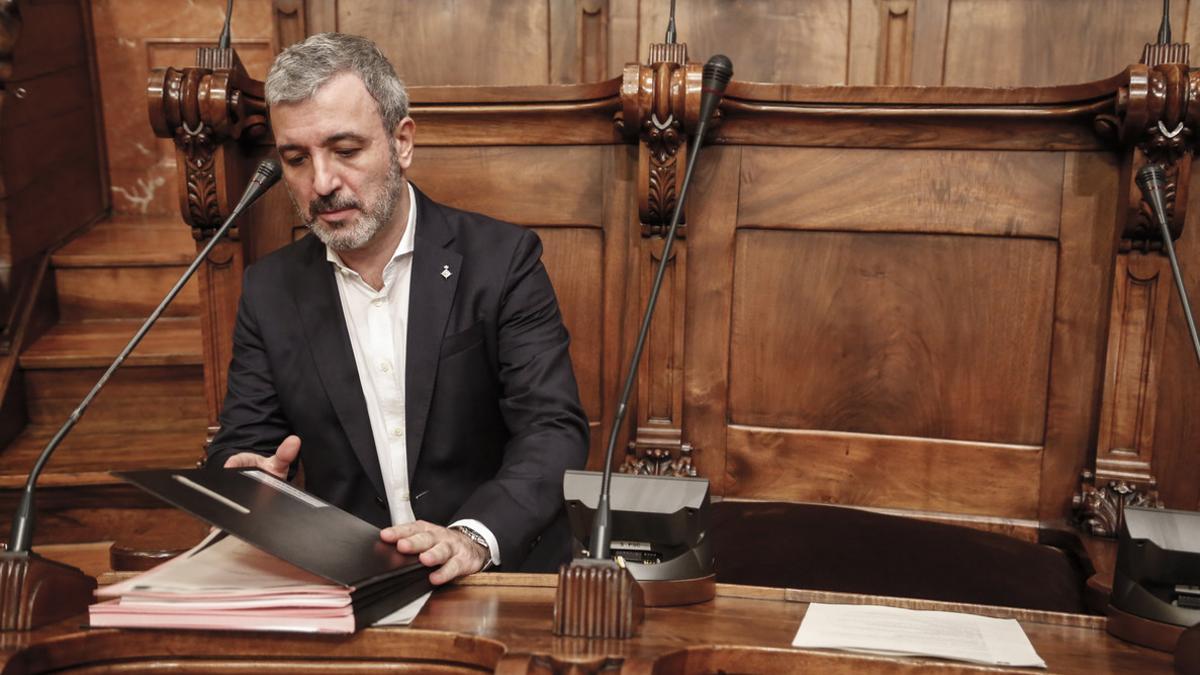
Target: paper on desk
column 892, row 631
column 406, row 614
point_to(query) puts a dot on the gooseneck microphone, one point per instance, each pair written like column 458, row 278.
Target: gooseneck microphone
column 717, row 73
column 266, row 175
column 1152, row 181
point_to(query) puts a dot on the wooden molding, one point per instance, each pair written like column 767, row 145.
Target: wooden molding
column 597, row 599
column 897, row 23
column 289, row 18
column 35, row 591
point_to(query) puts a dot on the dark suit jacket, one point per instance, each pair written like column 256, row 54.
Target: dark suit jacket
column 493, row 412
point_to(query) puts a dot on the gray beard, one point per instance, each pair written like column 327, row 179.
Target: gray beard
column 360, row 232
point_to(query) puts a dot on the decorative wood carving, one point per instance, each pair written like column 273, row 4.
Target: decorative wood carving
column 659, row 461
column 201, row 108
column 1100, row 506
column 1157, row 110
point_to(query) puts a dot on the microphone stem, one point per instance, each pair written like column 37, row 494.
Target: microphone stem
column 601, row 523
column 1178, row 274
column 22, row 528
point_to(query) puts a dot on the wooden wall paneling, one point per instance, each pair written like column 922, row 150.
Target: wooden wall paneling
column 929, row 42
column 622, row 232
column 897, row 23
column 579, row 41
column 893, row 334
column 922, row 474
column 289, row 22
column 912, row 191
column 625, row 36
column 808, row 41
column 1086, row 249
column 864, row 43
column 1177, row 428
column 714, row 204
column 996, row 44
column 491, row 41
column 1141, row 293
column 320, row 16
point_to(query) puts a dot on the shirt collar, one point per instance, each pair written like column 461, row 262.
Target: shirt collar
column 407, row 240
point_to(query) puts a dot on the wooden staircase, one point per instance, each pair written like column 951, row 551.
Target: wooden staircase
column 150, row 415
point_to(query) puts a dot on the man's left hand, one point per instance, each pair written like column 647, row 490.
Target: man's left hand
column 452, row 552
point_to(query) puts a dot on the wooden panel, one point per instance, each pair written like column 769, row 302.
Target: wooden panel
column 712, row 231
column 992, row 44
column 999, row 193
column 806, row 40
column 574, row 258
column 157, row 397
column 133, row 36
column 911, row 335
column 481, row 41
column 1085, row 259
column 526, row 185
column 867, row 470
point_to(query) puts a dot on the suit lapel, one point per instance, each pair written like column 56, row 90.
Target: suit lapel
column 431, row 295
column 315, row 292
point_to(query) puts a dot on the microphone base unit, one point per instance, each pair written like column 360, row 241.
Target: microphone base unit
column 36, row 591
column 597, row 599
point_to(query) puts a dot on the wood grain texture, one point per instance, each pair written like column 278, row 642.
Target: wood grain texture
column 808, row 40
column 999, row 193
column 892, row 334
column 135, row 398
column 711, row 237
column 997, row 44
column 875, row 470
column 493, row 41
column 1086, row 248
column 504, row 626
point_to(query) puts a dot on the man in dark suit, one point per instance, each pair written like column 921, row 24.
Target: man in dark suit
column 416, row 349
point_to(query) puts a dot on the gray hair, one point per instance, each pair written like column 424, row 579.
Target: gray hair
column 303, row 68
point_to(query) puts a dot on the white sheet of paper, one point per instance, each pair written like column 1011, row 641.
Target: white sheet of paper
column 892, row 631
column 406, row 614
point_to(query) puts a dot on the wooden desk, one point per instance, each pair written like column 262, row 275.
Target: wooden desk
column 501, row 623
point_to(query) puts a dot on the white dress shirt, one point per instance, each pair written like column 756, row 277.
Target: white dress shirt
column 377, row 321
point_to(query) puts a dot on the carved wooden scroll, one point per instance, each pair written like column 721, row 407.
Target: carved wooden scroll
column 1158, row 106
column 202, row 108
column 660, row 104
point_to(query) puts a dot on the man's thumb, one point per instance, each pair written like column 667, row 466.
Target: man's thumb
column 287, row 451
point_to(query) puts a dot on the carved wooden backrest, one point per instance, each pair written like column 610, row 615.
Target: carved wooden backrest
column 899, row 298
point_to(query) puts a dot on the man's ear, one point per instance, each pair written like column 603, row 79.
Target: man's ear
column 402, row 138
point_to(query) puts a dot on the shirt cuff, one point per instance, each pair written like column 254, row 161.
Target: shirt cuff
column 493, row 545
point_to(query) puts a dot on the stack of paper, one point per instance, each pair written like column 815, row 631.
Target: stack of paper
column 892, row 631
column 224, row 583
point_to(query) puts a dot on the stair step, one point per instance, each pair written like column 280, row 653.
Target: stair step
column 149, row 397
column 121, row 269
column 93, row 344
column 85, row 459
column 129, row 241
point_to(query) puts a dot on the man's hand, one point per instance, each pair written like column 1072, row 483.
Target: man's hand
column 456, row 553
column 276, row 465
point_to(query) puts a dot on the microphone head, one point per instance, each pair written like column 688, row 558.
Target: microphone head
column 717, row 73
column 268, row 172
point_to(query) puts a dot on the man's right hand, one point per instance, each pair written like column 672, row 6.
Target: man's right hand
column 276, row 465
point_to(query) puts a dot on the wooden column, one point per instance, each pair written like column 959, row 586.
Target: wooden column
column 202, row 108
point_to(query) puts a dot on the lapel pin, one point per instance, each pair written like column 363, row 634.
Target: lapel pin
column 446, row 272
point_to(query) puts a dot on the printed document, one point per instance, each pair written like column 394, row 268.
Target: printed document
column 892, row 631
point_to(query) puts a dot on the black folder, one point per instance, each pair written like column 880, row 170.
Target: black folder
column 297, row 527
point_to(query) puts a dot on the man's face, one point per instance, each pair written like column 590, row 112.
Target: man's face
column 345, row 173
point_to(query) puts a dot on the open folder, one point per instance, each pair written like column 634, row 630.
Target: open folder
column 309, row 565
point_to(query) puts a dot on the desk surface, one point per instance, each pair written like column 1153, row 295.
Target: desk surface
column 501, row 623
